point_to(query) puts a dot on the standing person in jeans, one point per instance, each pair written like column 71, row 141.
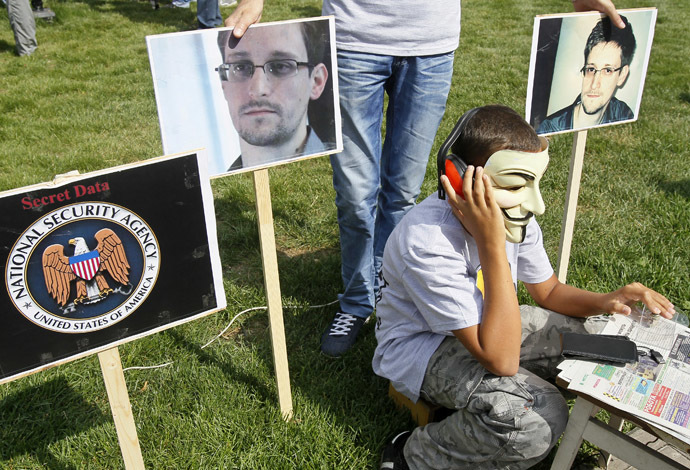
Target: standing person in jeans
column 405, row 49
column 406, row 52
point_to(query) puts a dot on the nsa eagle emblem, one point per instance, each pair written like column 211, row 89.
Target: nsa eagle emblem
column 87, row 267
column 83, row 267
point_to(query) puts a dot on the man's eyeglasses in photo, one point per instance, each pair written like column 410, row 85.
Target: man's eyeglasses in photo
column 590, row 72
column 243, row 71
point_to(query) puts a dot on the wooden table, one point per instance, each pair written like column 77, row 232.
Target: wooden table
column 608, row 437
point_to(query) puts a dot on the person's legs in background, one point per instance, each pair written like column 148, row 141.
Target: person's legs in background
column 23, row 25
column 208, row 14
column 181, row 3
column 375, row 187
column 417, row 94
column 356, row 180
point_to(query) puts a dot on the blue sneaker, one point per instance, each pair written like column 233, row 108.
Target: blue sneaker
column 341, row 334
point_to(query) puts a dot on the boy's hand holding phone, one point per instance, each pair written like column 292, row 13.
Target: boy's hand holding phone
column 476, row 208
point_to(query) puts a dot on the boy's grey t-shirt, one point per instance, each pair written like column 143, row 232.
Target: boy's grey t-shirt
column 395, row 28
column 432, row 285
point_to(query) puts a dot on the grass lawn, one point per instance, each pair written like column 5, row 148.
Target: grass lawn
column 84, row 101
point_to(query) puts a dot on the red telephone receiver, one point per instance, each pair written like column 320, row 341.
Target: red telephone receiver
column 455, row 171
column 450, row 164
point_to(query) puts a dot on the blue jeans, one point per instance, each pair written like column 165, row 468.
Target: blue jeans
column 375, row 185
column 208, row 14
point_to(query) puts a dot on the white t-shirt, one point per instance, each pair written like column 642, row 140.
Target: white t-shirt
column 402, row 28
column 430, row 287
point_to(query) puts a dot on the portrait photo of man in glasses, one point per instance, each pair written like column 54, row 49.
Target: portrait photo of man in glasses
column 608, row 54
column 270, row 78
column 267, row 99
column 587, row 72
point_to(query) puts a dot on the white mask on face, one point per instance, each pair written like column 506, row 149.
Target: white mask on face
column 515, row 177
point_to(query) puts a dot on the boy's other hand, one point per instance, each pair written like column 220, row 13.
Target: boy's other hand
column 246, row 14
column 477, row 210
column 620, row 301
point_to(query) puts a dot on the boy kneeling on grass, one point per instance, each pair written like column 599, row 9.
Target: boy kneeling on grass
column 449, row 327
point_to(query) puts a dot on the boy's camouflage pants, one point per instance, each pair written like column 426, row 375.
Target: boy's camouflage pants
column 500, row 422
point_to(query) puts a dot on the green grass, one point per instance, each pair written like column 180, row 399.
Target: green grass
column 85, row 101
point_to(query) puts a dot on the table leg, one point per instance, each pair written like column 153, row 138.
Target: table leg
column 572, row 437
column 615, row 422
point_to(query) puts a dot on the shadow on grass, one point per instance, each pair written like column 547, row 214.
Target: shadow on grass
column 35, row 417
column 6, row 47
column 681, row 188
column 234, row 374
column 309, row 277
column 236, row 223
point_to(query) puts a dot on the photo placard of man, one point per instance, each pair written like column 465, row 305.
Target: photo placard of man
column 607, row 56
column 269, row 77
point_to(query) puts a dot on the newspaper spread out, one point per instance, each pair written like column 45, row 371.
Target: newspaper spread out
column 659, row 393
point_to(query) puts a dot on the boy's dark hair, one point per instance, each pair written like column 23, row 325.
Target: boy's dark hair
column 314, row 34
column 604, row 31
column 493, row 128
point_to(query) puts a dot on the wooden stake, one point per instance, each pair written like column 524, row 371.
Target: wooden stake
column 272, row 285
column 115, row 385
column 576, row 161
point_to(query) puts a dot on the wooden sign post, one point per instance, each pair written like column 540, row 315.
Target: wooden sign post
column 115, row 385
column 573, row 191
column 269, row 260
